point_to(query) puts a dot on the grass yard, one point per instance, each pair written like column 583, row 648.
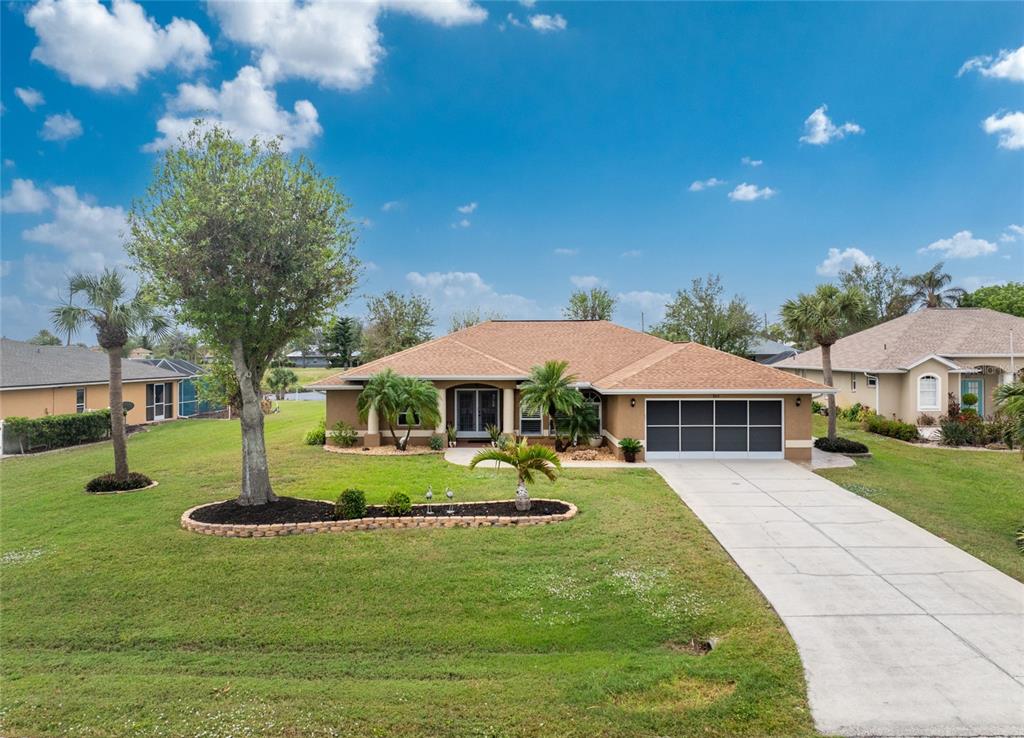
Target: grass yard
column 115, row 622
column 309, row 374
column 973, row 499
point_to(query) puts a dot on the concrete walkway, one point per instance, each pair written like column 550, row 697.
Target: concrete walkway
column 901, row 633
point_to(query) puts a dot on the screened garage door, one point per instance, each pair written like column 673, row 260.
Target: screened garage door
column 714, row 429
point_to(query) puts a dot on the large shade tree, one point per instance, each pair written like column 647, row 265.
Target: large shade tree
column 114, row 316
column 701, row 314
column 594, row 304
column 825, row 315
column 549, row 389
column 251, row 248
column 395, row 322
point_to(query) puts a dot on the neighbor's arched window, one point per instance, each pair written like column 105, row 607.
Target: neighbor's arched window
column 928, row 392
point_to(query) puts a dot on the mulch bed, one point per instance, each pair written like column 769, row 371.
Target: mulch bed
column 294, row 510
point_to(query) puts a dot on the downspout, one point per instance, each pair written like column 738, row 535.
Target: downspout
column 878, row 407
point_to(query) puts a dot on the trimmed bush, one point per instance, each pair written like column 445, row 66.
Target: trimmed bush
column 109, row 483
column 892, row 428
column 398, row 503
column 344, row 435
column 966, row 429
column 925, row 419
column 351, row 504
column 840, row 446
column 58, row 431
column 969, row 398
column 317, row 436
column 436, row 443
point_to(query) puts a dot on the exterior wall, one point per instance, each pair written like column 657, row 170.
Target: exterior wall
column 37, row 403
column 887, row 401
column 909, row 411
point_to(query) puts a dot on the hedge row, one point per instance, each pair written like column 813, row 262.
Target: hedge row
column 57, row 431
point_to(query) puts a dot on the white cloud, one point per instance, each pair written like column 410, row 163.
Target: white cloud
column 1009, row 126
column 586, row 281
column 91, row 235
column 1007, row 65
column 751, row 162
column 645, row 299
column 703, row 184
column 527, row 3
column 32, row 98
column 962, row 245
column 8, row 162
column 974, row 283
column 463, row 223
column 1012, row 233
column 820, row 130
column 566, row 252
column 467, row 208
column 336, row 44
column 451, row 292
column 642, row 307
column 547, row 23
column 392, row 205
column 5, row 268
column 245, row 105
column 747, row 193
column 512, row 21
column 24, row 197
column 632, row 254
column 838, row 261
column 111, row 48
column 60, row 127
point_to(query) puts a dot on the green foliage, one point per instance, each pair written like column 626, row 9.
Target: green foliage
column 342, row 338
column 436, row 442
column 630, row 448
column 469, row 317
column 344, row 435
column 892, row 428
column 494, row 433
column 110, row 483
column 969, row 398
column 826, row 314
column 450, row 433
column 855, row 413
column 397, row 503
column 57, row 431
column 965, row 429
column 840, row 445
column 395, row 322
column 595, row 304
column 179, row 345
column 930, row 289
column 817, row 408
column 926, row 420
column 549, row 390
column 218, row 385
column 524, row 458
column 280, row 380
column 1006, row 298
column 581, row 424
column 318, row 435
column 885, row 292
column 391, row 395
column 701, row 314
column 45, row 338
column 351, row 504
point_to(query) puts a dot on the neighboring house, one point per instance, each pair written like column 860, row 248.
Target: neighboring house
column 140, row 353
column 906, row 367
column 306, row 358
column 767, row 351
column 53, row 380
column 683, row 400
column 189, row 403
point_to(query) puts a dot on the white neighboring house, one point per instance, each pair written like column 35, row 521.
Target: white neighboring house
column 313, row 358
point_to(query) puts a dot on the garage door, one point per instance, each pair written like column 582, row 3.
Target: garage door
column 714, row 429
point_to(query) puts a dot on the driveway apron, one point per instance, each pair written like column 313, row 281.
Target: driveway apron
column 900, row 632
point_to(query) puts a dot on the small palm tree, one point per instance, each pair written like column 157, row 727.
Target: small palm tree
column 549, row 390
column 823, row 315
column 115, row 320
column 1010, row 398
column 930, row 289
column 280, row 380
column 526, row 460
column 392, row 395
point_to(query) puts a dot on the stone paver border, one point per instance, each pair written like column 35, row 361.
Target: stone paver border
column 342, row 526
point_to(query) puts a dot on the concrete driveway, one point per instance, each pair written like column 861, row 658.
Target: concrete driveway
column 901, row 633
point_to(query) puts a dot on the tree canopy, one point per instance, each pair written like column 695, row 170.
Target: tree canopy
column 395, row 322
column 701, row 314
column 1006, row 298
column 594, row 304
column 45, row 338
column 885, row 291
column 931, row 289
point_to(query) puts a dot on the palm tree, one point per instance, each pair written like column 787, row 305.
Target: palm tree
column 1010, row 398
column 549, row 390
column 280, row 380
column 392, row 395
column 823, row 315
column 525, row 460
column 115, row 319
column 930, row 290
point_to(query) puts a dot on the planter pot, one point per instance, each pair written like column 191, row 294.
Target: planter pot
column 595, row 441
column 629, row 456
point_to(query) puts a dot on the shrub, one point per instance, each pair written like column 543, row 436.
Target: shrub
column 1001, row 429
column 397, row 503
column 436, row 443
column 317, row 436
column 109, row 483
column 856, row 413
column 57, row 431
column 630, row 448
column 925, row 419
column 966, row 429
column 841, row 446
column 351, row 504
column 494, row 432
column 817, row 408
column 969, row 398
column 344, row 435
column 892, row 428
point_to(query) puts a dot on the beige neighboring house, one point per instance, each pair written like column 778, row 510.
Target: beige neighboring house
column 681, row 400
column 908, row 366
column 36, row 381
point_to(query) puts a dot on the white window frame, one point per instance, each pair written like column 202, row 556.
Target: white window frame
column 938, row 393
column 594, row 398
column 523, row 415
column 79, row 406
column 403, row 424
column 872, row 382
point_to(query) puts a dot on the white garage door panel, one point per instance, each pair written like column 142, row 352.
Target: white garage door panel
column 714, row 429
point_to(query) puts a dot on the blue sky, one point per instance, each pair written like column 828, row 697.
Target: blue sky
column 499, row 154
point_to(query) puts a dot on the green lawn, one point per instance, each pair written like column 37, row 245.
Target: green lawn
column 973, row 499
column 311, row 374
column 115, row 622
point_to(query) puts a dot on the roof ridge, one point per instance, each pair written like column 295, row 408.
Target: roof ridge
column 645, row 361
column 405, row 351
column 489, row 356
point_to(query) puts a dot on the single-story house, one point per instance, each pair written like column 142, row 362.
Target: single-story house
column 189, row 403
column 767, row 351
column 907, row 366
column 53, row 380
column 681, row 400
column 313, row 358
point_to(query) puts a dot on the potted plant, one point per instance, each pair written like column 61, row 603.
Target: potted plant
column 452, row 435
column 495, row 433
column 525, row 460
column 595, row 440
column 630, row 447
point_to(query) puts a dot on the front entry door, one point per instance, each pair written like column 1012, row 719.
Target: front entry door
column 976, row 387
column 475, row 409
column 158, row 402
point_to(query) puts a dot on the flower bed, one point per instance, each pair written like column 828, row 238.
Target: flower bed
column 315, row 516
column 380, row 450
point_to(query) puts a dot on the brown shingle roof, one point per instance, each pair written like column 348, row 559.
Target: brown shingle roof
column 897, row 344
column 600, row 353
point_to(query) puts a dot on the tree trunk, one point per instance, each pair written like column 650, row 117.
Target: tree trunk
column 117, row 436
column 826, row 368
column 522, row 496
column 256, row 488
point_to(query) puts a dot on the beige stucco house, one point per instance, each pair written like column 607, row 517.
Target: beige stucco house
column 53, row 380
column 681, row 400
column 908, row 366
